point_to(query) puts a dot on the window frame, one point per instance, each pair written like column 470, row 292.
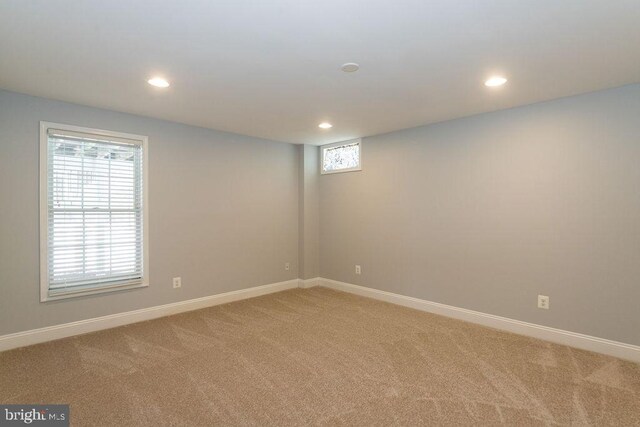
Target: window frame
column 337, row 144
column 44, row 214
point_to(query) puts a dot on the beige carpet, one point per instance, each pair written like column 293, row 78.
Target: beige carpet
column 319, row 357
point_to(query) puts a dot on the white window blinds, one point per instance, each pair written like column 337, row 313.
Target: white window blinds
column 94, row 211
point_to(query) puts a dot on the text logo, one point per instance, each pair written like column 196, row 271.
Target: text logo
column 36, row 415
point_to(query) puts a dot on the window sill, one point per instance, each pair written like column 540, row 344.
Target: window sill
column 54, row 296
column 357, row 169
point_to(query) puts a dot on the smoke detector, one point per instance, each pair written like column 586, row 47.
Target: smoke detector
column 350, row 67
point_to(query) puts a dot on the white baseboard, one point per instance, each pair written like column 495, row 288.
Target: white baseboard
column 50, row 333
column 558, row 336
column 309, row 283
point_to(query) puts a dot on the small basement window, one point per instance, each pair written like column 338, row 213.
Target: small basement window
column 343, row 156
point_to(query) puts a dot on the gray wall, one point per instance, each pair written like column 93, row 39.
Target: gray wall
column 309, row 248
column 487, row 212
column 223, row 212
column 483, row 213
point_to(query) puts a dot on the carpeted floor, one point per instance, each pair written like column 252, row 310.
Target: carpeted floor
column 319, row 357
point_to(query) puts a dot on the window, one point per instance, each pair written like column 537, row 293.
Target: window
column 341, row 157
column 93, row 211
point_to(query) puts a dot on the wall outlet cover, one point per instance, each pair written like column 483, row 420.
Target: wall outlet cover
column 543, row 302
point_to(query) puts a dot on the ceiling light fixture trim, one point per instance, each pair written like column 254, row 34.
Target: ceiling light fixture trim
column 158, row 82
column 495, row 81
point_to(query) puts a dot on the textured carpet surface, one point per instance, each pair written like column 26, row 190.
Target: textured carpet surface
column 319, row 357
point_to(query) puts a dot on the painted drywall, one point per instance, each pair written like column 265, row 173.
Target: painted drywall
column 489, row 211
column 309, row 247
column 223, row 212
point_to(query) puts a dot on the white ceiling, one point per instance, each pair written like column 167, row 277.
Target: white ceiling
column 272, row 68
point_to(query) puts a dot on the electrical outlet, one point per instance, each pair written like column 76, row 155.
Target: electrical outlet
column 543, row 302
column 358, row 269
column 287, row 267
column 177, row 282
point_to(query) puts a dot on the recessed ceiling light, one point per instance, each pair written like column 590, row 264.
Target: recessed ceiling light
column 350, row 67
column 325, row 125
column 158, row 82
column 495, row 81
